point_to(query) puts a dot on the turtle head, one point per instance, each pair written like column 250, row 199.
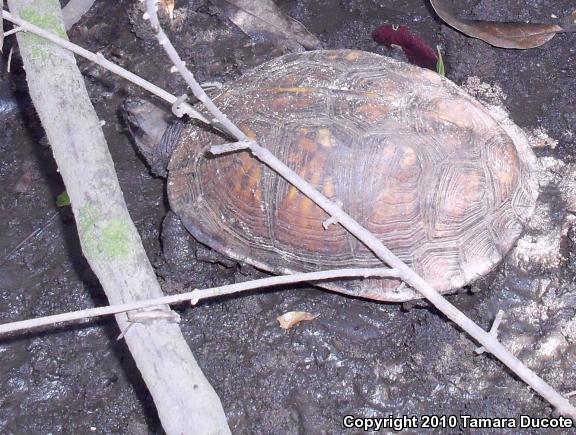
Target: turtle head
column 149, row 126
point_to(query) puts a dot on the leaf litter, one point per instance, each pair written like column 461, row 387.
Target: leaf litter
column 264, row 17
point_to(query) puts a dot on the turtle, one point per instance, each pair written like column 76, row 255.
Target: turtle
column 441, row 181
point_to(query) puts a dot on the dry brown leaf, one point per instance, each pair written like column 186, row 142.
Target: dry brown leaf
column 288, row 320
column 504, row 35
column 255, row 17
column 168, row 6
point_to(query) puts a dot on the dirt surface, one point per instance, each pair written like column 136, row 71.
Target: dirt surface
column 358, row 357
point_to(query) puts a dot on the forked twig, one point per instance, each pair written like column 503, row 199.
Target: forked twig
column 493, row 330
column 197, row 295
column 490, row 343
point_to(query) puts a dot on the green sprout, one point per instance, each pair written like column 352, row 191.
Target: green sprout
column 63, row 199
column 440, row 64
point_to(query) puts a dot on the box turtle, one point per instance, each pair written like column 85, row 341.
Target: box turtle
column 439, row 180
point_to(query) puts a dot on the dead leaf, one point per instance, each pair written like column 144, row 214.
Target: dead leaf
column 168, row 6
column 257, row 17
column 503, row 35
column 288, row 320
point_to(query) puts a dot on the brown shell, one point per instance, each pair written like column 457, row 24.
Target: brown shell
column 410, row 155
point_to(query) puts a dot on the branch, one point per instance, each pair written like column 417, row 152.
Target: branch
column 490, row 343
column 185, row 401
column 195, row 296
column 73, row 11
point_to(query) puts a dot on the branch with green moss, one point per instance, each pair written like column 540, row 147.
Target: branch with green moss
column 185, row 401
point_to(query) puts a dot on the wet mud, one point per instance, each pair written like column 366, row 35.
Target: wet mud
column 358, row 357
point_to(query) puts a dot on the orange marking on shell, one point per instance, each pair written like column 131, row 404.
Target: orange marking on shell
column 315, row 168
column 408, row 168
column 250, row 180
column 307, row 144
column 292, row 194
column 305, row 205
column 373, row 112
column 295, row 90
column 328, row 189
column 353, row 55
column 293, row 99
column 457, row 201
column 254, row 178
column 460, row 113
column 248, row 132
column 312, row 172
column 504, row 158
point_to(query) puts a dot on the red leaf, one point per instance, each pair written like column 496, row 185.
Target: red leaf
column 416, row 49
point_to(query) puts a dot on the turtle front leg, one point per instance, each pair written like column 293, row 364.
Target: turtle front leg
column 178, row 245
column 182, row 252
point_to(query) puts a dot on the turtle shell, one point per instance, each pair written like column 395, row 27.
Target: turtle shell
column 414, row 159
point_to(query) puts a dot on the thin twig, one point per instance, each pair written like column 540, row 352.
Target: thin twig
column 13, row 31
column 9, row 61
column 99, row 59
column 490, row 343
column 493, row 330
column 196, row 295
column 33, row 234
column 226, row 148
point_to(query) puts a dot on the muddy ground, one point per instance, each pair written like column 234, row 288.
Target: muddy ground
column 358, row 357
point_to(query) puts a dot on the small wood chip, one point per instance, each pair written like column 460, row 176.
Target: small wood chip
column 288, row 320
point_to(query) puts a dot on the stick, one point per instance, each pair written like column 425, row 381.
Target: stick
column 33, row 234
column 195, row 296
column 490, row 343
column 185, row 401
column 13, row 31
column 74, row 10
column 493, row 330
